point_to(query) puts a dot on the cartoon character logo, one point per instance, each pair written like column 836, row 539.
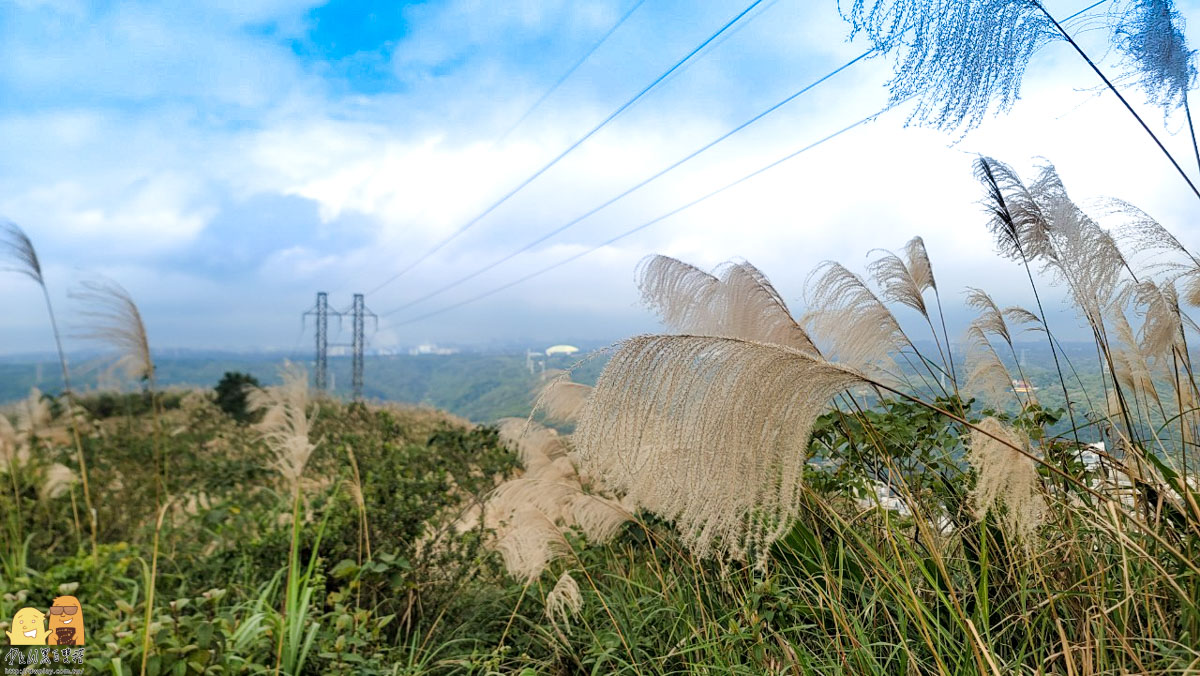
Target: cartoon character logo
column 28, row 628
column 66, row 622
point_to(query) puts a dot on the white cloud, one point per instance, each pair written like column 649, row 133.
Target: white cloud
column 167, row 116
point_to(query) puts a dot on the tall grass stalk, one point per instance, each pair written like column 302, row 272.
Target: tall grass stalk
column 151, row 583
column 113, row 319
column 20, row 249
column 284, row 428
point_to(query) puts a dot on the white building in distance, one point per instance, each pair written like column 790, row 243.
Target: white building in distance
column 561, row 349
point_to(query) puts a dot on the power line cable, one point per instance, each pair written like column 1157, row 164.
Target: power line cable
column 649, row 223
column 638, row 186
column 570, row 71
column 625, row 106
column 658, row 175
column 520, row 186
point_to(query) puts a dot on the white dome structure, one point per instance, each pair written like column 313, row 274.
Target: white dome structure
column 561, row 349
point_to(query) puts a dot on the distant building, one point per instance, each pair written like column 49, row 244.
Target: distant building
column 1090, row 457
column 561, row 349
column 430, row 348
column 1023, row 387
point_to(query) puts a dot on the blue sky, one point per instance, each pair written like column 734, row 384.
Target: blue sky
column 225, row 161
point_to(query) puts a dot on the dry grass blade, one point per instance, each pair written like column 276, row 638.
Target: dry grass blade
column 16, row 245
column 739, row 303
column 846, row 315
column 1005, row 477
column 286, row 422
column 114, row 319
column 709, row 432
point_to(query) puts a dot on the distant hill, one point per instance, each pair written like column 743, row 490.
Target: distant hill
column 480, row 387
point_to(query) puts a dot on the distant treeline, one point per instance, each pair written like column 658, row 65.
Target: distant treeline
column 480, row 387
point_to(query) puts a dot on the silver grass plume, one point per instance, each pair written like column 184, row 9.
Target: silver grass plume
column 286, row 422
column 564, row 601
column 845, row 314
column 1080, row 254
column 1020, row 316
column 1162, row 320
column 56, row 480
column 740, row 303
column 8, row 434
column 754, row 310
column 16, row 245
column 525, row 512
column 991, row 319
column 1005, row 477
column 1131, row 365
column 549, row 492
column 561, row 399
column 1151, row 35
column 597, row 517
column 114, row 319
column 905, row 281
column 958, row 57
column 678, row 292
column 986, row 373
column 33, row 414
column 708, row 432
column 1145, row 234
column 536, row 445
column 527, row 550
column 1020, row 228
column 918, row 264
column 12, row 451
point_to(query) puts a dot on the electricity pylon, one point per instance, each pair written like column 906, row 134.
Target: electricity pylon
column 321, row 362
column 360, row 313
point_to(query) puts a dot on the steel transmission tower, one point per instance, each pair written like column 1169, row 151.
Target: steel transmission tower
column 360, row 313
column 321, row 312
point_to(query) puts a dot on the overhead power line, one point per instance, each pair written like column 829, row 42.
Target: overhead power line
column 655, row 176
column 570, row 71
column 520, row 186
column 647, row 224
column 636, row 187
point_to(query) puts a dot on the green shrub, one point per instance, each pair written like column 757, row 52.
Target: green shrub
column 231, row 394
